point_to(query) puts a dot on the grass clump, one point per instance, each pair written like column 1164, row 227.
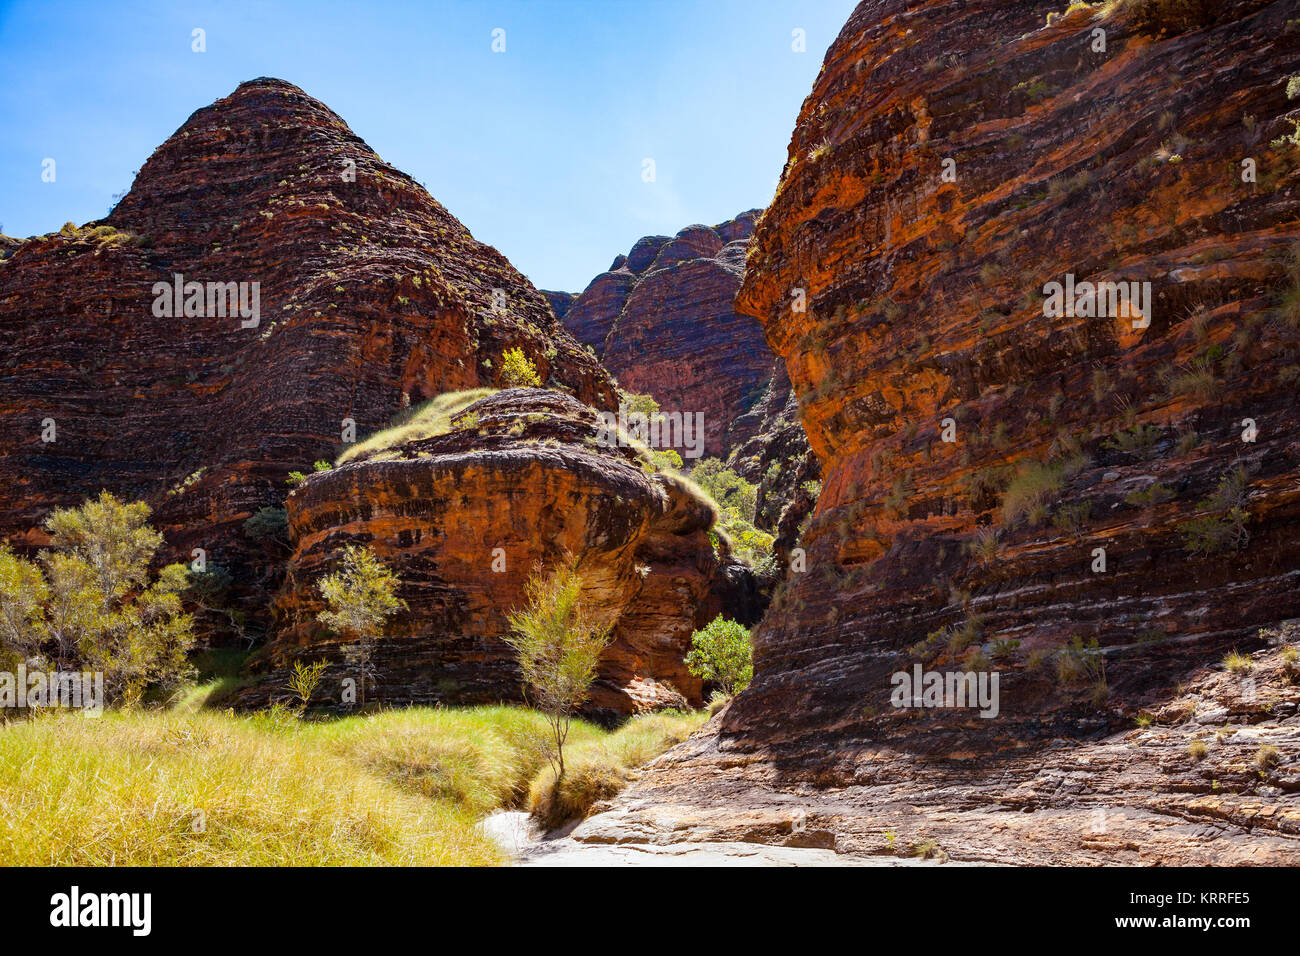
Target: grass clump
column 433, row 418
column 1033, row 487
column 157, row 788
column 598, row 769
column 1238, row 663
column 403, row 787
column 1267, row 757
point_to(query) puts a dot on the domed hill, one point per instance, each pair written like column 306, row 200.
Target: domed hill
column 362, row 295
column 662, row 321
column 464, row 501
column 1119, row 505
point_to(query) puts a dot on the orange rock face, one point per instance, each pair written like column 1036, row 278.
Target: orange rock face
column 466, row 517
column 1000, row 480
column 370, row 294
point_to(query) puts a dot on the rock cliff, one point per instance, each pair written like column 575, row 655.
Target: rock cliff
column 661, row 320
column 517, row 480
column 370, row 296
column 1095, row 504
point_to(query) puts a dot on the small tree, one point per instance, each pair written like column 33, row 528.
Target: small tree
column 518, row 371
column 303, row 681
column 722, row 653
column 361, row 597
column 558, row 646
column 89, row 600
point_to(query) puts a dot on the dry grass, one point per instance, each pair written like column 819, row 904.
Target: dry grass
column 1034, row 486
column 191, row 787
column 428, row 420
column 157, row 788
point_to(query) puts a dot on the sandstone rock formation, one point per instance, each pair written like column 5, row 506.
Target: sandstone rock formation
column 371, row 296
column 560, row 301
column 465, row 517
column 1166, row 439
column 661, row 320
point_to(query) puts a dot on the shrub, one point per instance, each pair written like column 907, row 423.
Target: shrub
column 91, row 602
column 637, row 404
column 517, row 370
column 321, row 465
column 361, row 596
column 736, row 500
column 722, row 653
column 304, row 680
column 1198, row 750
column 295, row 479
column 1225, row 527
column 267, row 523
column 1071, row 519
column 558, row 644
column 726, row 487
column 1080, row 663
column 1267, row 757
column 1034, row 485
column 1238, row 663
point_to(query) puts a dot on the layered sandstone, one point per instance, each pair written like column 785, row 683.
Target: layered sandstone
column 925, row 316
column 520, row 482
column 372, row 297
column 661, row 320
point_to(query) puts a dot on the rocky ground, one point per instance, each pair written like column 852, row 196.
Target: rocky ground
column 1146, row 796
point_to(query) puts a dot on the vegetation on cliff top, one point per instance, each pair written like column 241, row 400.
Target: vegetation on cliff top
column 433, row 418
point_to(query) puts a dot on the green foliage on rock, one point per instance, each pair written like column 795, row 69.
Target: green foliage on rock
column 736, row 499
column 518, row 371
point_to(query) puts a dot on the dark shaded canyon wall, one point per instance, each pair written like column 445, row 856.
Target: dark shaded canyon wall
column 925, row 303
column 372, row 297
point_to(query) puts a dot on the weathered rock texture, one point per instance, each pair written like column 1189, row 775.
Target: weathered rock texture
column 560, row 301
column 371, row 296
column 661, row 320
column 925, row 303
column 1144, row 796
column 521, row 471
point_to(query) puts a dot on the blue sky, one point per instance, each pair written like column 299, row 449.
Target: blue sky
column 538, row 150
